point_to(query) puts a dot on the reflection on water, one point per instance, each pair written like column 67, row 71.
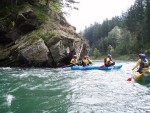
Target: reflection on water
column 62, row 90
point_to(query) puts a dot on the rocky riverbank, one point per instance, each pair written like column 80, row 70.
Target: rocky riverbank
column 33, row 36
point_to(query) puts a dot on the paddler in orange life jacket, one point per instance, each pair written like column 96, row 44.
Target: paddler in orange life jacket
column 142, row 64
column 74, row 60
column 108, row 61
column 86, row 61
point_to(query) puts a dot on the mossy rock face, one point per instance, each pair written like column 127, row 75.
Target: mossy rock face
column 4, row 54
column 30, row 52
column 17, row 24
column 35, row 52
column 36, row 36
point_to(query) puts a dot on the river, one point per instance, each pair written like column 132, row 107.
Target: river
column 62, row 90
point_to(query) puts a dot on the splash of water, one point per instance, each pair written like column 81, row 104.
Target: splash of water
column 9, row 99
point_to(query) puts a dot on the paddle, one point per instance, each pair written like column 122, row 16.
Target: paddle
column 102, row 66
column 130, row 79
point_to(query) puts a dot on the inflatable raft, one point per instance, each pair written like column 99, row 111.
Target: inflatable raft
column 95, row 67
column 145, row 77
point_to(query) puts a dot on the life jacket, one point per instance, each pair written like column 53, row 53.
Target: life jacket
column 144, row 66
column 85, row 61
column 144, row 63
column 73, row 61
column 90, row 62
column 107, row 60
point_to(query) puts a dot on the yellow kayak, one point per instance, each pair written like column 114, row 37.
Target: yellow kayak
column 144, row 77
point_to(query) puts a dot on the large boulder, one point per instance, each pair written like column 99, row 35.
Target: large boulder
column 32, row 54
column 64, row 46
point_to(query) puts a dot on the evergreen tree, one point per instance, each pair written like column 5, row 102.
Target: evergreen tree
column 147, row 24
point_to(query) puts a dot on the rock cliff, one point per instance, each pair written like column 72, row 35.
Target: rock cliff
column 28, row 41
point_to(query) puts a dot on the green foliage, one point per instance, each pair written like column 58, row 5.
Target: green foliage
column 110, row 49
column 41, row 12
column 127, row 43
column 4, row 53
column 137, row 22
column 48, row 36
column 56, row 6
column 114, row 36
column 127, row 34
column 96, row 53
column 126, row 57
column 98, row 31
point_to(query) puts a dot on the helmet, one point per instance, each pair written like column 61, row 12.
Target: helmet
column 109, row 55
column 142, row 56
column 74, row 56
column 85, row 57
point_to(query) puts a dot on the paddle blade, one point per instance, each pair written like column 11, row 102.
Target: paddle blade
column 129, row 79
column 102, row 66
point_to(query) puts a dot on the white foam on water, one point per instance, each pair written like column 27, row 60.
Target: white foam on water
column 23, row 75
column 15, row 89
column 6, row 68
column 90, row 101
column 9, row 99
column 35, row 87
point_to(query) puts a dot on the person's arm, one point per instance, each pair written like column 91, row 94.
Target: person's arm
column 90, row 61
column 76, row 61
column 72, row 61
column 107, row 61
column 137, row 64
column 110, row 60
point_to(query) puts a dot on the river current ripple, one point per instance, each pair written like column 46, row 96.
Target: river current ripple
column 62, row 90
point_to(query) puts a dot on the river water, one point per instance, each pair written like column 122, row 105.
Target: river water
column 62, row 90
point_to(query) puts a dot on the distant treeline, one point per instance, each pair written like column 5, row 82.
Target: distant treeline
column 121, row 35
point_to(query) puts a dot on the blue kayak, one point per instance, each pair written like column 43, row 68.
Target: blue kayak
column 95, row 67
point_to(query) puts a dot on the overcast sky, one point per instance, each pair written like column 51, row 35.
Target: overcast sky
column 91, row 11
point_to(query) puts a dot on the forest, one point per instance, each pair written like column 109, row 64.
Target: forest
column 122, row 35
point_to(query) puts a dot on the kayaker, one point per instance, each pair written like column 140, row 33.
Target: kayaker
column 108, row 61
column 74, row 60
column 90, row 61
column 142, row 64
column 86, row 61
